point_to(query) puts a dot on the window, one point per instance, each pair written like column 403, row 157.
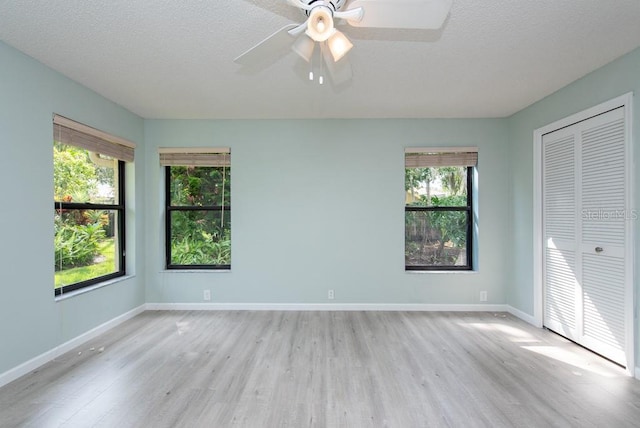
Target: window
column 198, row 208
column 89, row 207
column 438, row 208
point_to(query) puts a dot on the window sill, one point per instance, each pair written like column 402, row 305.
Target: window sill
column 455, row 272
column 195, row 271
column 90, row 288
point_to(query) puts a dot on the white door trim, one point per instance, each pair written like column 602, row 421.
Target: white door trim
column 624, row 101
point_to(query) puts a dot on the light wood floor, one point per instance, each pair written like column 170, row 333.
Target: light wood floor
column 325, row 369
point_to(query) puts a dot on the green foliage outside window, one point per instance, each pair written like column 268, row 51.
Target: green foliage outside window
column 76, row 244
column 200, row 238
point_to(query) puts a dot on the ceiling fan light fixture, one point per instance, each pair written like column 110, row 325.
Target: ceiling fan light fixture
column 304, row 46
column 320, row 24
column 339, row 45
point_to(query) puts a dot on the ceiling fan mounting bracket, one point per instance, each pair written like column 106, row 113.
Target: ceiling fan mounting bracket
column 334, row 5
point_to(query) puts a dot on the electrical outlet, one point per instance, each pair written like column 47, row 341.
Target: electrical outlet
column 330, row 295
column 206, row 295
column 483, row 296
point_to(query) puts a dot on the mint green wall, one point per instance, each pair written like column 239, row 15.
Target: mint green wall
column 617, row 78
column 31, row 322
column 319, row 204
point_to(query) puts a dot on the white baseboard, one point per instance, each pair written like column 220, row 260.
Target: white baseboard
column 34, row 363
column 522, row 315
column 324, row 307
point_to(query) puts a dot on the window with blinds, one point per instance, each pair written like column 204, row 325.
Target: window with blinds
column 438, row 208
column 89, row 204
column 198, row 207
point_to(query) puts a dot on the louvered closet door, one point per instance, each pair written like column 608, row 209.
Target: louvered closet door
column 560, row 211
column 584, row 221
column 603, row 234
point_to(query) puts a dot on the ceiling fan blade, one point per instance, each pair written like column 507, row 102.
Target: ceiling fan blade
column 296, row 31
column 410, row 14
column 340, row 72
column 267, row 49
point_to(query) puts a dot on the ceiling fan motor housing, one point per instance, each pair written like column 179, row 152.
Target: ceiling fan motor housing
column 334, row 5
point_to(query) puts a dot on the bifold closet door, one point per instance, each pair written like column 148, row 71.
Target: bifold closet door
column 603, row 233
column 561, row 287
column 584, row 222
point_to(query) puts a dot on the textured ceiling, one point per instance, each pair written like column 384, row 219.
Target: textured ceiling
column 174, row 59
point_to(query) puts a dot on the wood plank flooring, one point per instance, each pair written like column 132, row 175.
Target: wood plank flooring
column 324, row 369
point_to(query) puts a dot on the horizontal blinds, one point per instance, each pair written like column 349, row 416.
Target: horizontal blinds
column 428, row 158
column 69, row 132
column 195, row 156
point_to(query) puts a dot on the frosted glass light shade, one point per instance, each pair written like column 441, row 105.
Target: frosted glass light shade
column 320, row 24
column 339, row 45
column 304, row 46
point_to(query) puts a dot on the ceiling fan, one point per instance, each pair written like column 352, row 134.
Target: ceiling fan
column 320, row 28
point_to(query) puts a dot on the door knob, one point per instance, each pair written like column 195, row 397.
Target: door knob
column 599, row 249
